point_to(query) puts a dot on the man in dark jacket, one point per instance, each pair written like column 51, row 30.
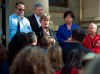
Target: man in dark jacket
column 35, row 17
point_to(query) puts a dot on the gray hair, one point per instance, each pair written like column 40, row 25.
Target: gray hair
column 93, row 24
column 37, row 5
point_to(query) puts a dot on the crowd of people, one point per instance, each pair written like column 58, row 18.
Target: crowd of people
column 34, row 48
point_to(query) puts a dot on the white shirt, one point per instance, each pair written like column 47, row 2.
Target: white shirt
column 38, row 19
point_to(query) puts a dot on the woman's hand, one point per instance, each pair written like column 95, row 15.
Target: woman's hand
column 52, row 40
column 68, row 40
column 98, row 43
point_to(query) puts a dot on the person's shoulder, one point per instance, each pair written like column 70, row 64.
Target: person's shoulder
column 25, row 18
column 12, row 16
column 30, row 16
column 39, row 29
column 75, row 24
column 63, row 25
column 98, row 35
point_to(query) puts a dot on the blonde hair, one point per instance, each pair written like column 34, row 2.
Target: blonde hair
column 45, row 16
column 55, row 56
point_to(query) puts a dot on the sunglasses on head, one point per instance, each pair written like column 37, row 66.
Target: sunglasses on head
column 21, row 9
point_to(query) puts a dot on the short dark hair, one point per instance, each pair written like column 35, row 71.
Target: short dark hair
column 78, row 34
column 72, row 60
column 19, row 41
column 31, row 36
column 18, row 4
column 44, row 42
column 69, row 13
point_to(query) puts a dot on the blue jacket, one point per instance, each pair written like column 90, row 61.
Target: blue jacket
column 63, row 34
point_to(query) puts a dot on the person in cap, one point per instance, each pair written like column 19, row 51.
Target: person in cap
column 35, row 17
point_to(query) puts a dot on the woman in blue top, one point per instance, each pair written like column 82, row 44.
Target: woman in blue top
column 64, row 32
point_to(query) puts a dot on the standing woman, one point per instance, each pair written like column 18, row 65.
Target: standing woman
column 44, row 30
column 64, row 32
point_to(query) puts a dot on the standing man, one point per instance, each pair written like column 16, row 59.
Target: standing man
column 35, row 18
column 17, row 21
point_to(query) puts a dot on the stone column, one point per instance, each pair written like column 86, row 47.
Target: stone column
column 74, row 5
column 90, row 13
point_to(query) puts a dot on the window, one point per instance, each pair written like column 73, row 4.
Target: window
column 58, row 3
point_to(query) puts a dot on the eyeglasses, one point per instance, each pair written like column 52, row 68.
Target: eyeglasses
column 21, row 9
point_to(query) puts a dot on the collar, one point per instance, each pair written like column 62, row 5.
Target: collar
column 37, row 16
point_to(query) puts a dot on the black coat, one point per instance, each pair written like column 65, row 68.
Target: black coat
column 33, row 22
column 40, row 34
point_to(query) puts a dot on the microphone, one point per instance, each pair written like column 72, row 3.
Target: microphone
column 47, row 29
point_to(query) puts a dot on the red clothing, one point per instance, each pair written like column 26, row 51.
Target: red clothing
column 74, row 71
column 57, row 72
column 91, row 43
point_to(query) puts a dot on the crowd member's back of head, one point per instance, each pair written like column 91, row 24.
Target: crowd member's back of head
column 73, row 62
column 55, row 56
column 44, row 42
column 87, row 58
column 30, row 60
column 32, row 38
column 19, row 41
column 78, row 35
column 94, row 66
column 76, row 43
column 4, row 64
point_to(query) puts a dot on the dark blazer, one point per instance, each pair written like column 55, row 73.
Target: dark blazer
column 40, row 34
column 33, row 22
column 70, row 46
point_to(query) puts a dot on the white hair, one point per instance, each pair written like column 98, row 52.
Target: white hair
column 93, row 24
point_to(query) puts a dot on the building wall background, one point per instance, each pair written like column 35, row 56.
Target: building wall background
column 55, row 12
column 85, row 11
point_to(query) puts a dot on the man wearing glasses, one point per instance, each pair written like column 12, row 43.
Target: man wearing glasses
column 17, row 22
